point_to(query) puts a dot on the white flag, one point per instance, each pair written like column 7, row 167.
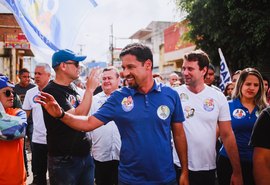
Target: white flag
column 225, row 76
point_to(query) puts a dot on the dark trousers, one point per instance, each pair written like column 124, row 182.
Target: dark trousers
column 224, row 171
column 198, row 177
column 39, row 163
column 25, row 157
column 71, row 170
column 106, row 173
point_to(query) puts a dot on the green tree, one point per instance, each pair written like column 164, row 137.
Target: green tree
column 241, row 28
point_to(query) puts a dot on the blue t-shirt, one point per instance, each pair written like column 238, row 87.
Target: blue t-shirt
column 144, row 122
column 242, row 125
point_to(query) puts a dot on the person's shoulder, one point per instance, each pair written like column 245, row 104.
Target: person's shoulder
column 15, row 111
column 31, row 85
column 168, row 90
column 17, row 86
column 123, row 91
column 32, row 90
column 50, row 85
column 214, row 90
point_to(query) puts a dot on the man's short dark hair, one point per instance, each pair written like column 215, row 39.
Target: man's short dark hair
column 200, row 56
column 139, row 50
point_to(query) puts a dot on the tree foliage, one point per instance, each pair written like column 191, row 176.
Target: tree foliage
column 241, row 28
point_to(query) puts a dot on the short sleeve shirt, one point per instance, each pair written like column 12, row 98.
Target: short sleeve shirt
column 144, row 122
column 202, row 111
column 261, row 133
column 61, row 139
column 242, row 125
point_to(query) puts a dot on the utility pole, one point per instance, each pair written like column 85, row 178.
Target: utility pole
column 111, row 44
column 81, row 48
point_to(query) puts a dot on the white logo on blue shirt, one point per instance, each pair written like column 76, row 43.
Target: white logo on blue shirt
column 163, row 112
column 239, row 113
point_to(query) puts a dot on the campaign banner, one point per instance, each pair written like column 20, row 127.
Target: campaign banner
column 225, row 75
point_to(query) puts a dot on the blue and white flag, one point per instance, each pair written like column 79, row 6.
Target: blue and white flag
column 50, row 25
column 225, row 76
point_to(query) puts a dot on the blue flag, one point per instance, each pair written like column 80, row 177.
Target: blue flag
column 50, row 25
column 225, row 75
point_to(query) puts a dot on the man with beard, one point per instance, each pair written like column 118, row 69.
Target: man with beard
column 145, row 112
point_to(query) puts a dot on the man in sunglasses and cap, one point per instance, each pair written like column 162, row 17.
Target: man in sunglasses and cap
column 12, row 131
column 69, row 160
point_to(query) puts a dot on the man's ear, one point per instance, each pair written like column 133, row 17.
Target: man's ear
column 62, row 66
column 204, row 70
column 148, row 64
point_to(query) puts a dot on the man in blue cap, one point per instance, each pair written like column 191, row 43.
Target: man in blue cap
column 69, row 160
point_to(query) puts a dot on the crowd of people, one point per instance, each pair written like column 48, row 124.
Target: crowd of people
column 134, row 127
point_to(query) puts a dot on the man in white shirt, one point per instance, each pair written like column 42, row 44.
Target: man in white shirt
column 203, row 108
column 39, row 142
column 106, row 141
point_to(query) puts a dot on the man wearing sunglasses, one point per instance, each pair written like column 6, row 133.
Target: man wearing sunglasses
column 12, row 131
column 69, row 160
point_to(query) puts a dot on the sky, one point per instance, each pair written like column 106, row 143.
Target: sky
column 126, row 16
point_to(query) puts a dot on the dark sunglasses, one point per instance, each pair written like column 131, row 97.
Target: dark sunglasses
column 8, row 93
column 76, row 64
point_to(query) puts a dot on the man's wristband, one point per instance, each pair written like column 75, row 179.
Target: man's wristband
column 62, row 114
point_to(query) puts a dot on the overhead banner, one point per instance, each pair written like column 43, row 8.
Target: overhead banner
column 50, row 25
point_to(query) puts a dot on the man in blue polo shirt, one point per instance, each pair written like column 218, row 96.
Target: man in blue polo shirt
column 145, row 112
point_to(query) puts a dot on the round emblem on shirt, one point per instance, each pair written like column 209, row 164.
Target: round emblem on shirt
column 127, row 104
column 189, row 111
column 184, row 97
column 163, row 112
column 257, row 113
column 72, row 100
column 208, row 104
column 35, row 98
column 239, row 113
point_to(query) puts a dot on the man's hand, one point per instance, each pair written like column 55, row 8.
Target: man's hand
column 93, row 79
column 50, row 104
column 184, row 179
column 236, row 179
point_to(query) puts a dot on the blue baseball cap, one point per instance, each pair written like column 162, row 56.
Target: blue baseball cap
column 65, row 55
column 4, row 82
